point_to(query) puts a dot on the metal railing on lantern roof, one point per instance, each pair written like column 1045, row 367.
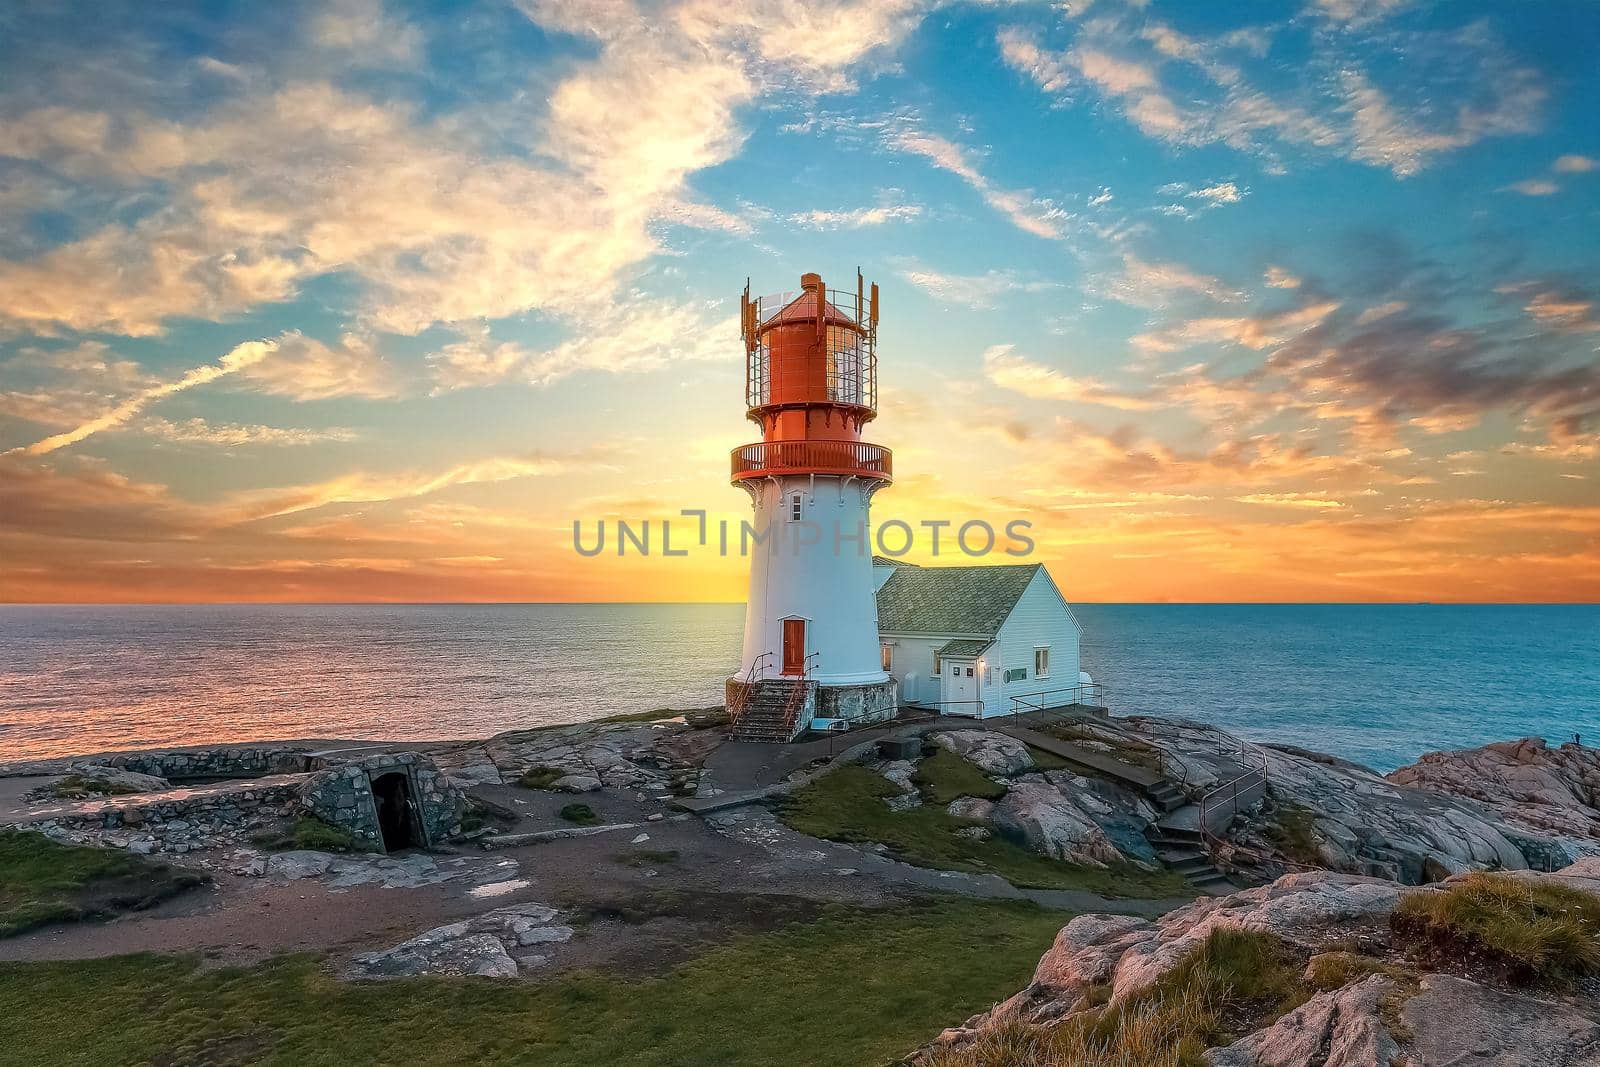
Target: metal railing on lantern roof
column 850, row 343
column 813, row 457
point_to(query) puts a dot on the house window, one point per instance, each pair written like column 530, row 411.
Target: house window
column 887, row 651
column 938, row 664
column 1016, row 674
column 1041, row 662
column 794, row 508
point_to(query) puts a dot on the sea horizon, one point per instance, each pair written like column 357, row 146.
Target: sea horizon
column 1377, row 683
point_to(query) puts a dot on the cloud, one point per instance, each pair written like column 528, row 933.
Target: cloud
column 1220, row 193
column 637, row 335
column 363, row 488
column 1278, row 278
column 291, row 174
column 1028, row 213
column 365, row 32
column 978, row 291
column 1154, row 285
column 1574, row 164
column 857, row 218
column 1258, row 331
column 1007, row 370
column 1195, row 91
column 238, row 359
column 1533, row 187
column 84, row 500
column 304, row 368
column 1565, row 312
column 199, row 431
column 1357, row 11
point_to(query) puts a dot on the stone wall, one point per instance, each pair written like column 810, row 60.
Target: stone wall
column 343, row 797
column 861, row 704
column 246, row 761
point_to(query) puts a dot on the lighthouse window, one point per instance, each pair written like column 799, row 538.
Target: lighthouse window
column 794, row 508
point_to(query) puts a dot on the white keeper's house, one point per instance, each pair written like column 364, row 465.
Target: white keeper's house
column 978, row 641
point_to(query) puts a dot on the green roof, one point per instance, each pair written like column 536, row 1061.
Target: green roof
column 951, row 600
column 964, row 649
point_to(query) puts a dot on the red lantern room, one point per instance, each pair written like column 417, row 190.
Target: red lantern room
column 811, row 382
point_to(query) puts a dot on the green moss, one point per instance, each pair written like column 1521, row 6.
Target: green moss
column 1540, row 932
column 312, row 833
column 848, row 805
column 76, row 787
column 43, row 881
column 900, row 975
column 1293, row 828
column 1048, row 761
column 541, row 777
column 580, row 814
column 944, row 776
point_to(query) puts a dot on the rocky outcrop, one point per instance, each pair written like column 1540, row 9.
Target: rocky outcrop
column 1355, row 820
column 1543, row 790
column 993, row 753
column 653, row 757
column 496, row 944
column 1391, row 1011
column 1465, row 1024
column 1342, row 1028
column 1040, row 815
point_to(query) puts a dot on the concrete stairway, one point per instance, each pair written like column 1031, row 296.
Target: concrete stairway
column 1183, row 848
column 1177, row 838
column 766, row 716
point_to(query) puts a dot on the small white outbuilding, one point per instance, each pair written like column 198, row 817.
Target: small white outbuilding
column 978, row 641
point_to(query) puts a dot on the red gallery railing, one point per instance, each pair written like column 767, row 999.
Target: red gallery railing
column 813, row 457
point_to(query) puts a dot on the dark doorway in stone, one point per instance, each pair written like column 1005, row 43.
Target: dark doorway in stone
column 391, row 795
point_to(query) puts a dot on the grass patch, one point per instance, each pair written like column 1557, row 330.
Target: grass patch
column 541, row 777
column 311, row 833
column 1049, row 761
column 1293, row 829
column 579, row 815
column 43, row 881
column 749, row 1002
column 647, row 857
column 1233, row 982
column 1534, row 932
column 77, row 787
column 848, row 805
column 944, row 776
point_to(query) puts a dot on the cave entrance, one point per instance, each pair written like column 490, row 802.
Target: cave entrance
column 397, row 812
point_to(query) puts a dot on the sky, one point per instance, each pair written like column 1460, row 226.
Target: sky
column 368, row 300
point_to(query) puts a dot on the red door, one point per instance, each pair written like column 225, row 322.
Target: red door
column 794, row 646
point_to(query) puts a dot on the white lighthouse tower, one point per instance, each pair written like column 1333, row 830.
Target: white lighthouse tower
column 811, row 649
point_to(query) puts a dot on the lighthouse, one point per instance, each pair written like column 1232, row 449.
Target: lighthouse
column 811, row 655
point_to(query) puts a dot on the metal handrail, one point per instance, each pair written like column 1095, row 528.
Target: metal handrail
column 1023, row 701
column 750, row 679
column 1213, row 797
column 957, row 703
column 797, row 692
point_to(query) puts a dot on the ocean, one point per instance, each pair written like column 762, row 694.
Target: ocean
column 1379, row 684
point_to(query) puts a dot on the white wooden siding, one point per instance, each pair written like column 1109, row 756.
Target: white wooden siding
column 1041, row 617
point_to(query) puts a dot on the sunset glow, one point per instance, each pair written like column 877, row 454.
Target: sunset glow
column 363, row 301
